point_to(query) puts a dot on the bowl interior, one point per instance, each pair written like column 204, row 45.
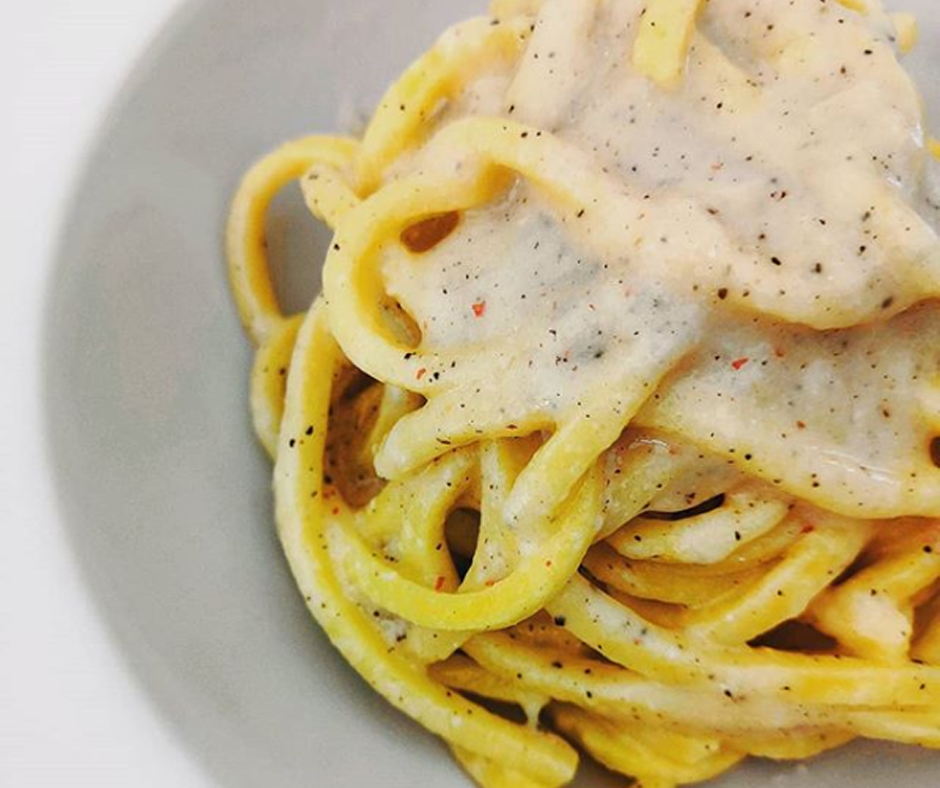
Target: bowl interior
column 165, row 494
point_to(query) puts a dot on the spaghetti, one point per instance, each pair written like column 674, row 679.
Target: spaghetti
column 621, row 402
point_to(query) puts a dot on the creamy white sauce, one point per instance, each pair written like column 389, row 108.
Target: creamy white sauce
column 785, row 258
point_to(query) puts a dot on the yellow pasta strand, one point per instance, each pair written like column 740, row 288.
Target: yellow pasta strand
column 783, row 592
column 671, row 658
column 662, row 582
column 872, row 613
column 706, row 539
column 906, row 27
column 662, row 43
column 536, row 579
column 855, row 5
column 463, row 674
column 621, row 747
column 399, row 121
column 245, row 238
column 269, row 382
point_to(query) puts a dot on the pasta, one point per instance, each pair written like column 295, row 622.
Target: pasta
column 615, row 427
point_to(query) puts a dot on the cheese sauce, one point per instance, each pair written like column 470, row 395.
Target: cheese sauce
column 775, row 277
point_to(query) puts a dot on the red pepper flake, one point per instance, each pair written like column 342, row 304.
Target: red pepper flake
column 439, row 583
column 808, row 528
column 779, row 352
column 739, row 362
column 801, row 425
column 479, row 308
column 335, row 510
column 421, row 373
column 490, row 583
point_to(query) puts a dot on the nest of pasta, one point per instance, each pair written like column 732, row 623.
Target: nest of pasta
column 621, row 543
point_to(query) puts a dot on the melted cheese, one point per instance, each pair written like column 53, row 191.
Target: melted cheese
column 775, row 265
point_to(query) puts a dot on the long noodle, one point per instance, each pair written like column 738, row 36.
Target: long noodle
column 599, row 566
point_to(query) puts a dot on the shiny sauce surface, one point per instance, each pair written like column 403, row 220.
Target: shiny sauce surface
column 778, row 292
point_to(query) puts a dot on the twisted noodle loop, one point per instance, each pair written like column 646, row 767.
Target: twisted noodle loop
column 249, row 270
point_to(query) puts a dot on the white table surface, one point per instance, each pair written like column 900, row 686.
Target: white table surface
column 70, row 715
